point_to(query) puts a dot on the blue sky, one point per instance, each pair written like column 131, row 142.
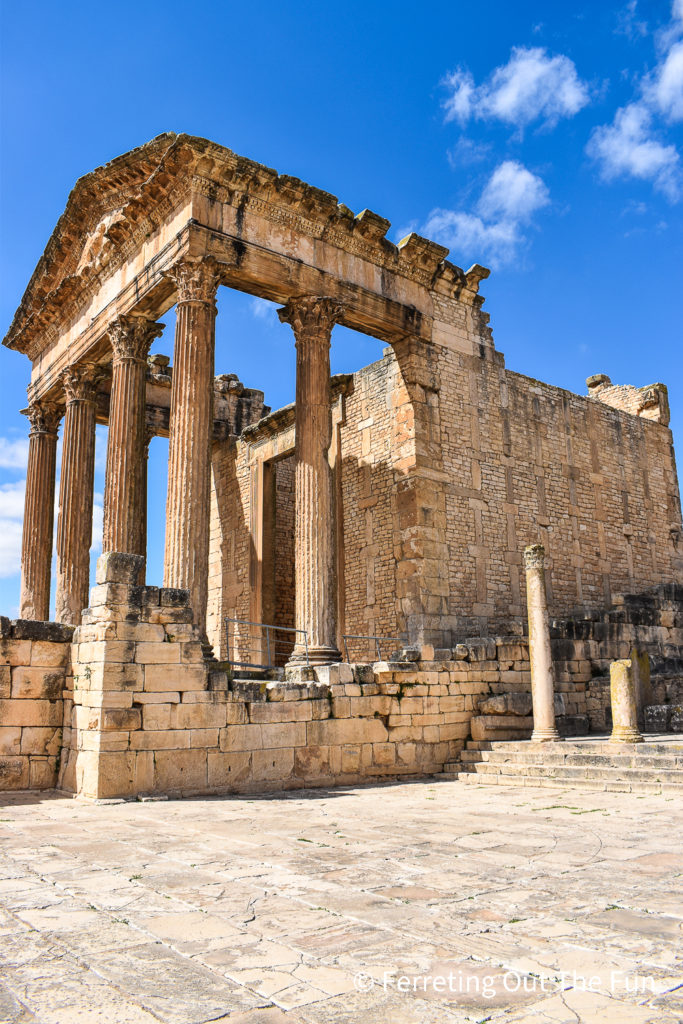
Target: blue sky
column 543, row 140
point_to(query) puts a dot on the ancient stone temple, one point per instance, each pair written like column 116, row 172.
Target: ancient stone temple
column 390, row 504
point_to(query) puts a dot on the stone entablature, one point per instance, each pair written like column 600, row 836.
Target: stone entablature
column 181, row 195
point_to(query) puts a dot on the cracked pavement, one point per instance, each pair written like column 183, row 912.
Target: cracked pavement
column 418, row 903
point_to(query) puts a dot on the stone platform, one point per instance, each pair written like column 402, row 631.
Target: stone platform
column 591, row 762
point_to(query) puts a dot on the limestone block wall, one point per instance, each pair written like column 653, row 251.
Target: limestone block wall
column 371, row 436
column 34, row 661
column 448, row 470
column 283, row 514
column 530, row 462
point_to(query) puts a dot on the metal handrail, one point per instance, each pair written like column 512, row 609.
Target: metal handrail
column 273, row 644
column 377, row 639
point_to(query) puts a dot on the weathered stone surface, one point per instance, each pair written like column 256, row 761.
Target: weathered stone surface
column 50, row 632
column 121, row 567
column 146, row 937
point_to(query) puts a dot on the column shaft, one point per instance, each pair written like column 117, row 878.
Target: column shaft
column 125, row 489
column 312, row 320
column 74, row 521
column 39, row 503
column 186, row 563
column 540, row 654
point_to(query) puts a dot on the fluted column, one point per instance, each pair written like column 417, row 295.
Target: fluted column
column 540, row 654
column 186, row 559
column 312, row 319
column 74, row 521
column 125, row 491
column 39, row 503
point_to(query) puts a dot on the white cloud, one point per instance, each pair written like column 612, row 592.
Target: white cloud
column 261, row 308
column 11, row 515
column 13, row 454
column 628, row 148
column 494, row 234
column 466, row 152
column 664, row 89
column 628, row 23
column 495, row 243
column 513, row 193
column 531, row 86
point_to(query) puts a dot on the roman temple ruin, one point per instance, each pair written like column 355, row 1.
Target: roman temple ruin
column 345, row 579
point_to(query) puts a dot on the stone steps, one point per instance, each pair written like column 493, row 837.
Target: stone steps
column 615, row 760
column 594, row 785
column 649, row 767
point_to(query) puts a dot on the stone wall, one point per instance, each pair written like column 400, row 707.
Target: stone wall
column 34, row 660
column 144, row 713
column 283, row 555
column 450, row 465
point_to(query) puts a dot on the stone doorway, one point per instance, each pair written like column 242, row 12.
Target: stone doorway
column 278, row 577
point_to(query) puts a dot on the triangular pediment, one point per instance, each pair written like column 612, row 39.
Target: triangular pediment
column 104, row 210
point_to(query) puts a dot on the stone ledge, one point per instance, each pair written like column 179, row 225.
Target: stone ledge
column 30, row 629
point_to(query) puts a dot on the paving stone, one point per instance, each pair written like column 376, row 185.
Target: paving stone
column 264, row 911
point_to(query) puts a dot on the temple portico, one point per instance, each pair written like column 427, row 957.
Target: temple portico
column 191, row 430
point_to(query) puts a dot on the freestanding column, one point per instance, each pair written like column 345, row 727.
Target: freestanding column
column 186, row 561
column 39, row 503
column 623, row 681
column 125, row 492
column 74, row 521
column 312, row 320
column 540, row 656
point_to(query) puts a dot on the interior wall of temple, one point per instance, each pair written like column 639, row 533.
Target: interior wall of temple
column 522, row 462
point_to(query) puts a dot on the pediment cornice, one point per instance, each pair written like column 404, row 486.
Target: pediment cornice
column 111, row 211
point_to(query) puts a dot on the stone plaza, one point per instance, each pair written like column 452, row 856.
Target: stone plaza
column 344, row 905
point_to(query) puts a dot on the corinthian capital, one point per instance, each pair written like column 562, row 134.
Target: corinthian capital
column 80, row 382
column 44, row 417
column 131, row 337
column 311, row 316
column 196, row 279
column 534, row 556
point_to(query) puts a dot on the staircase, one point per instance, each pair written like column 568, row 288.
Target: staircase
column 589, row 763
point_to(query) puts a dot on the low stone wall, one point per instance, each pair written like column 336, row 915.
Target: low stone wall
column 34, row 660
column 144, row 713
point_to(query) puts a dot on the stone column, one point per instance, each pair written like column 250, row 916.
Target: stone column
column 124, row 484
column 186, row 559
column 312, row 320
column 74, row 521
column 39, row 503
column 540, row 656
column 623, row 682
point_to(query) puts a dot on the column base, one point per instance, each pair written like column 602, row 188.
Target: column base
column 317, row 655
column 626, row 736
column 546, row 736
